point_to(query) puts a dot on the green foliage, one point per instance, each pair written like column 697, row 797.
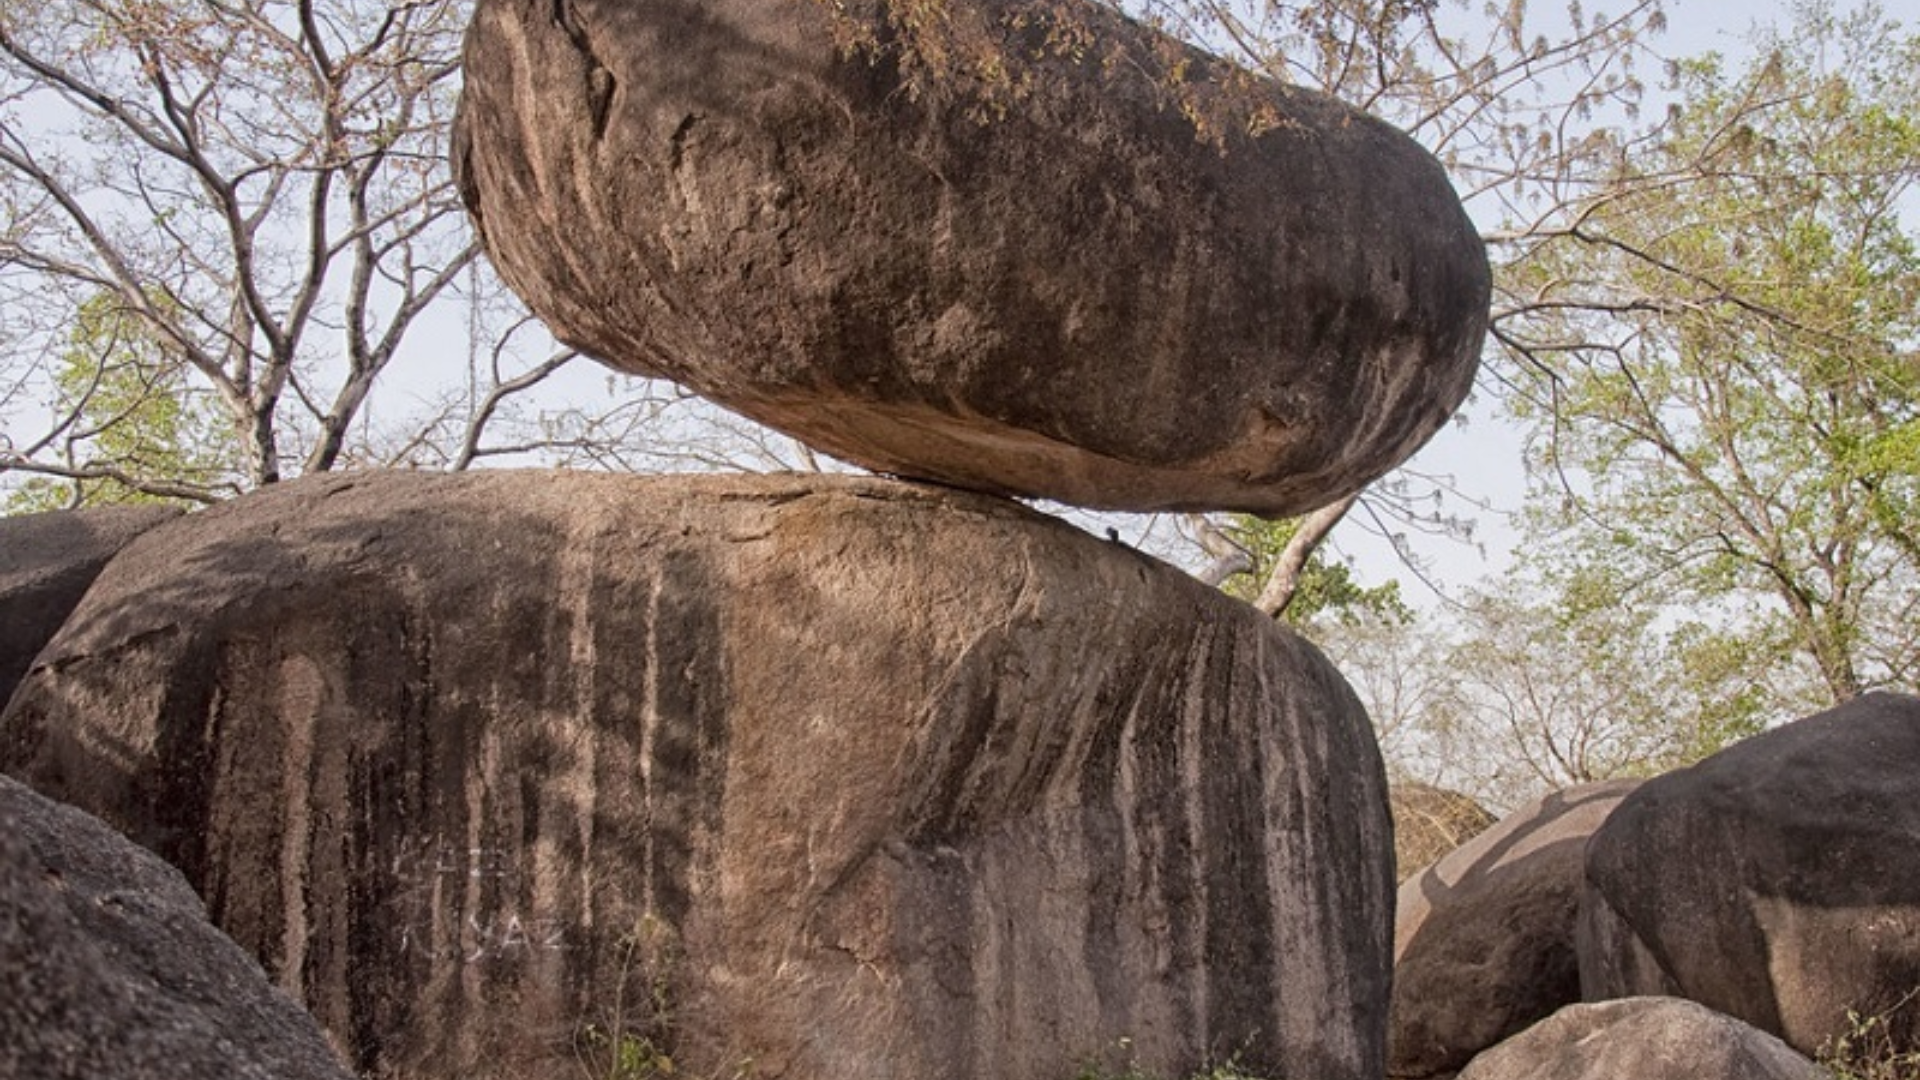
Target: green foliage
column 1327, row 589
column 622, row 1055
column 131, row 412
column 1721, row 371
column 1869, row 1049
column 627, row 1041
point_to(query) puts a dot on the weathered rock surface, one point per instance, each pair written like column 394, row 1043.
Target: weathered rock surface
column 1648, row 1038
column 1078, row 299
column 109, row 968
column 1484, row 938
column 852, row 778
column 1774, row 881
column 46, row 563
column 1429, row 822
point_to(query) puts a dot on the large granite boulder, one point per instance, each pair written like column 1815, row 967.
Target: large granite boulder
column 848, row 778
column 1647, row 1038
column 1057, row 289
column 46, row 563
column 1429, row 822
column 1484, row 938
column 1774, row 881
column 109, row 968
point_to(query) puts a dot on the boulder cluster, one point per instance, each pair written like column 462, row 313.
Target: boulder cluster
column 1732, row 919
column 501, row 775
column 539, row 774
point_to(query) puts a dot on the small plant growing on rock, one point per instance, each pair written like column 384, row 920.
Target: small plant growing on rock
column 1132, row 1070
column 616, row 1046
column 1868, row 1050
column 621, row 1055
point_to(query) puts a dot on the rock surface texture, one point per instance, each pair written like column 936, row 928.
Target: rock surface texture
column 800, row 777
column 1648, row 1038
column 46, row 563
column 109, row 968
column 1774, row 881
column 1061, row 292
column 1484, row 938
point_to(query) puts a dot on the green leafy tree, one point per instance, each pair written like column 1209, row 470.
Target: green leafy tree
column 129, row 416
column 1724, row 380
column 1283, row 569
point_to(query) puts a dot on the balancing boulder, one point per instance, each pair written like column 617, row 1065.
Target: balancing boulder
column 1040, row 280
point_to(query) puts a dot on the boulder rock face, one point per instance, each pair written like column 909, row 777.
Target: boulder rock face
column 46, row 563
column 1484, row 938
column 1429, row 822
column 1774, row 881
column 1648, row 1038
column 1058, row 291
column 782, row 777
column 108, row 966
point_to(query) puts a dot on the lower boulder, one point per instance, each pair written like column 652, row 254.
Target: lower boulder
column 108, row 966
column 1484, row 938
column 46, row 563
column 1774, row 881
column 1649, row 1038
column 504, row 774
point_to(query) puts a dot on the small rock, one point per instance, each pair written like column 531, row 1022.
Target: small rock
column 109, row 968
column 1648, row 1038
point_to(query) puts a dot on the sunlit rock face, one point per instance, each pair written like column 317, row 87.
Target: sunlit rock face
column 780, row 777
column 1040, row 283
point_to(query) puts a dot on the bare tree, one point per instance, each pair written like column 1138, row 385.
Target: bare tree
column 260, row 187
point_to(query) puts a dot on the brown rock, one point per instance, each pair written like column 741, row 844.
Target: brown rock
column 851, row 778
column 109, row 968
column 1078, row 299
column 1774, row 881
column 1484, row 938
column 1648, row 1038
column 1429, row 822
column 46, row 563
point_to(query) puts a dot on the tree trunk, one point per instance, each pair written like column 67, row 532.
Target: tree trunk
column 1284, row 582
